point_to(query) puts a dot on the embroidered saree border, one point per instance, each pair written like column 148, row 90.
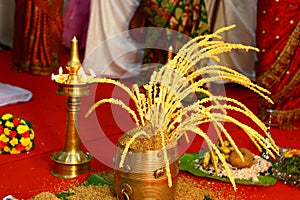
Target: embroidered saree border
column 274, row 75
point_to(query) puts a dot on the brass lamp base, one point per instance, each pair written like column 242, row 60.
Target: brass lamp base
column 69, row 165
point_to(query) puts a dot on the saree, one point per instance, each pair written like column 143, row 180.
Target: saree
column 76, row 21
column 37, row 36
column 188, row 17
column 109, row 50
column 243, row 14
column 278, row 38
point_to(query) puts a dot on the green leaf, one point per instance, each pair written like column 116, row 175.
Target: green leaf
column 96, row 179
column 93, row 179
column 207, row 198
column 187, row 163
column 64, row 195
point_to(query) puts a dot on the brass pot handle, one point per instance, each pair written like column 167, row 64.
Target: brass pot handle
column 124, row 195
column 125, row 192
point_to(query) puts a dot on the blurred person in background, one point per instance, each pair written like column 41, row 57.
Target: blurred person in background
column 165, row 27
column 76, row 21
column 189, row 18
column 37, row 38
column 244, row 15
column 278, row 38
column 109, row 50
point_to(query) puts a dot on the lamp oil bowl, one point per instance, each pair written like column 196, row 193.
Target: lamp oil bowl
column 144, row 174
column 71, row 161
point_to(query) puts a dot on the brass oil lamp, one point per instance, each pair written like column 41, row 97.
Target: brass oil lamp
column 71, row 161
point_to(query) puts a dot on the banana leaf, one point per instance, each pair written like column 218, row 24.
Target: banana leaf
column 187, row 163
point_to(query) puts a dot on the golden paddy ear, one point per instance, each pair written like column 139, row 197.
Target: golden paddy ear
column 160, row 102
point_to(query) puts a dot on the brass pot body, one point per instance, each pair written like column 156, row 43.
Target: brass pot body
column 143, row 175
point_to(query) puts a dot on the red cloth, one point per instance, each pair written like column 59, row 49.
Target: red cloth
column 278, row 36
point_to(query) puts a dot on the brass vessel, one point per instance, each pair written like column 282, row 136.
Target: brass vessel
column 143, row 175
column 71, row 161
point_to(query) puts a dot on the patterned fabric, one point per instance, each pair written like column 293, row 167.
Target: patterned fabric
column 37, row 36
column 278, row 37
column 188, row 17
column 185, row 16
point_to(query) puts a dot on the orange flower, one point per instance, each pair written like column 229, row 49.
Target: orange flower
column 14, row 151
column 291, row 153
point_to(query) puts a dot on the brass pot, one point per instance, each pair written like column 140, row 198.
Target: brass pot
column 143, row 175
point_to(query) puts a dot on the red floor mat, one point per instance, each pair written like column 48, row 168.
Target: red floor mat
column 28, row 174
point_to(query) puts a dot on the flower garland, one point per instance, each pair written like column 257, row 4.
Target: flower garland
column 16, row 135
